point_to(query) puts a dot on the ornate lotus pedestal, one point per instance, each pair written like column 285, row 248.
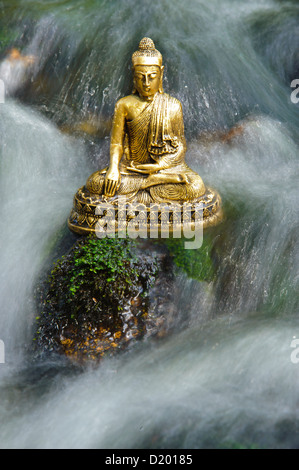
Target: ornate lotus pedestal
column 92, row 213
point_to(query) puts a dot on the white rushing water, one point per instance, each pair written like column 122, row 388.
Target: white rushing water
column 219, row 386
column 39, row 171
column 228, row 378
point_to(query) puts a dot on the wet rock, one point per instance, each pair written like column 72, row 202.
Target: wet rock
column 96, row 301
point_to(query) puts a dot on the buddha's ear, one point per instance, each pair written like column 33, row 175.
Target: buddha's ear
column 161, row 80
column 134, row 91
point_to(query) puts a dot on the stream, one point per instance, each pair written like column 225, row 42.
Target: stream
column 230, row 377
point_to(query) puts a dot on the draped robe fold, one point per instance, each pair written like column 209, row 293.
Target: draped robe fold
column 156, row 135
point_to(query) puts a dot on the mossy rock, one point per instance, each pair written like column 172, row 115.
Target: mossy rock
column 96, row 299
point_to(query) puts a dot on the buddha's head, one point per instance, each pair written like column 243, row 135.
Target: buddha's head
column 147, row 69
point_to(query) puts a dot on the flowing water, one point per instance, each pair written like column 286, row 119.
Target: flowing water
column 229, row 377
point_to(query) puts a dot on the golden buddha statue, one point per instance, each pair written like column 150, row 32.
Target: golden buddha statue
column 147, row 152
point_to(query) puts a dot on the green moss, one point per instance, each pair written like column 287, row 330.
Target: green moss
column 112, row 255
column 197, row 263
column 107, row 268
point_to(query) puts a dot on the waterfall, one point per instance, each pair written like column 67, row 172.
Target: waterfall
column 226, row 378
column 39, row 170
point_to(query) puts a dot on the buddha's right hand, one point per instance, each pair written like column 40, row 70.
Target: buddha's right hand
column 112, row 181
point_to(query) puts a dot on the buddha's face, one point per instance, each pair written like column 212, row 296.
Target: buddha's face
column 148, row 79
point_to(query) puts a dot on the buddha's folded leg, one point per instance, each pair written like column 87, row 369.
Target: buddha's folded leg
column 184, row 192
column 158, row 187
column 128, row 184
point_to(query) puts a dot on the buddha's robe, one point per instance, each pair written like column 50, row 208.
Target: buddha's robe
column 156, row 135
